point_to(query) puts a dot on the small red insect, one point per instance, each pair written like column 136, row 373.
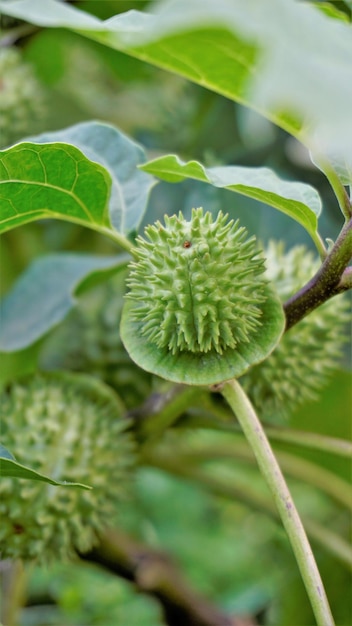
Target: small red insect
column 187, row 244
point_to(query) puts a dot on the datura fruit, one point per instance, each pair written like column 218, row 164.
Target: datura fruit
column 300, row 365
column 70, row 427
column 22, row 101
column 199, row 310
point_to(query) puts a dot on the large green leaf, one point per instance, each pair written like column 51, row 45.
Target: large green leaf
column 120, row 155
column 52, row 181
column 44, row 294
column 298, row 200
column 285, row 59
column 9, row 467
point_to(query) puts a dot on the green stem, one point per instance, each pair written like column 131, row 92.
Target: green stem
column 337, row 186
column 326, row 283
column 252, row 428
column 313, row 441
column 298, row 468
column 320, row 246
column 160, row 412
column 13, row 582
column 121, row 240
column 333, row 445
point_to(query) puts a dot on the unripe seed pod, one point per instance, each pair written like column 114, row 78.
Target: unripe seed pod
column 300, row 365
column 21, row 98
column 69, row 427
column 174, row 325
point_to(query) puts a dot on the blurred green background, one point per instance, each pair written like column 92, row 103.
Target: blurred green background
column 239, row 558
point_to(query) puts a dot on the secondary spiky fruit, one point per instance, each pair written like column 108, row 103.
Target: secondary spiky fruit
column 198, row 295
column 21, row 97
column 300, row 365
column 69, row 427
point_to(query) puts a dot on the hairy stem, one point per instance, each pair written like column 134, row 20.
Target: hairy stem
column 252, row 428
column 327, row 282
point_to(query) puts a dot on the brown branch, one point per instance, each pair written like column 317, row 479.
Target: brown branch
column 153, row 572
column 331, row 279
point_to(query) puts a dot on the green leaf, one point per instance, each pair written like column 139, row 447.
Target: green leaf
column 118, row 154
column 44, row 294
column 268, row 56
column 342, row 167
column 5, row 453
column 331, row 11
column 17, row 364
column 52, row 181
column 9, row 467
column 298, row 200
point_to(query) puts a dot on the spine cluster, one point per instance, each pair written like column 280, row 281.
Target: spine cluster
column 69, row 427
column 301, row 364
column 197, row 285
column 22, row 99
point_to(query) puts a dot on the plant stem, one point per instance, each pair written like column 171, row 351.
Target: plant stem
column 320, row 246
column 121, row 240
column 326, row 282
column 336, row 184
column 12, row 582
column 314, row 441
column 160, row 412
column 300, row 469
column 252, row 428
column 333, row 445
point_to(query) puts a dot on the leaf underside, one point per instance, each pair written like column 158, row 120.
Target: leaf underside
column 45, row 293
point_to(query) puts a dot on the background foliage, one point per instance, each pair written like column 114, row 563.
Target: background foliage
column 81, row 79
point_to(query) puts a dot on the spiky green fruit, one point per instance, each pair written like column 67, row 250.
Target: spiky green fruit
column 21, row 97
column 300, row 365
column 71, row 428
column 199, row 310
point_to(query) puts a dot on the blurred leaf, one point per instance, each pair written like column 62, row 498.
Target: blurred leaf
column 10, row 467
column 16, row 364
column 342, row 167
column 5, row 454
column 118, row 154
column 330, row 416
column 244, row 52
column 298, row 200
column 331, row 11
column 44, row 294
column 52, row 181
column 111, row 600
